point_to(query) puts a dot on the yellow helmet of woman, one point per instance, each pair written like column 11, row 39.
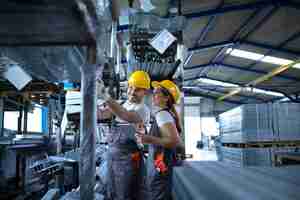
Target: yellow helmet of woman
column 170, row 86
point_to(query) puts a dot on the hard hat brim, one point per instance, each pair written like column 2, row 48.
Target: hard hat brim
column 156, row 84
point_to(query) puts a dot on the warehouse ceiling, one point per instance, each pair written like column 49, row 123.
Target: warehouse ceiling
column 216, row 28
column 213, row 30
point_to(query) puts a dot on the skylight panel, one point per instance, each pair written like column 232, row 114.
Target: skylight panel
column 250, row 89
column 220, row 83
column 244, row 54
column 260, row 91
column 277, row 61
column 256, row 56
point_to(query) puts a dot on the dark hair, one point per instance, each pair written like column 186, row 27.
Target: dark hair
column 171, row 107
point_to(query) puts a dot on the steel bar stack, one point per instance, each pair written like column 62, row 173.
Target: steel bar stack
column 219, row 180
column 266, row 126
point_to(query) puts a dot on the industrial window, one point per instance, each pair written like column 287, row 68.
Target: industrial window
column 33, row 123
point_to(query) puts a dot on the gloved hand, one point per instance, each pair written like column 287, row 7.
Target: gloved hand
column 102, row 92
column 160, row 164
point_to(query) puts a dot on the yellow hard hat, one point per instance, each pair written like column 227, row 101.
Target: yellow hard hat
column 139, row 79
column 170, row 86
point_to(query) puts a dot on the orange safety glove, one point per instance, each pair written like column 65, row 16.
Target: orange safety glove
column 160, row 164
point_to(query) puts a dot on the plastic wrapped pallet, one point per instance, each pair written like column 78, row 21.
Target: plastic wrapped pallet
column 261, row 122
column 247, row 156
column 286, row 121
column 253, row 156
column 247, row 123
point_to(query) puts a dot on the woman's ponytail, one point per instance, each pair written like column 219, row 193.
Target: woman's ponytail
column 172, row 109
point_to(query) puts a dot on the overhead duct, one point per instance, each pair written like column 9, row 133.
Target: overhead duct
column 145, row 29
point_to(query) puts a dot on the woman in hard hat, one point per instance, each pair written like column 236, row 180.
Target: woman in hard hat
column 162, row 139
column 124, row 157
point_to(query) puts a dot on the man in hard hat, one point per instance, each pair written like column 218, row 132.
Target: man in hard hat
column 124, row 158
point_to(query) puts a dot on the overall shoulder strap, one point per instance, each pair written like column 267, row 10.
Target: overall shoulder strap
column 166, row 109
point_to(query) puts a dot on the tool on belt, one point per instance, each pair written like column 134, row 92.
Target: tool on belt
column 159, row 163
column 136, row 158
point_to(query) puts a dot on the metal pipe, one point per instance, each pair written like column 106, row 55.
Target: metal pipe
column 25, row 119
column 20, row 120
column 113, row 39
column 1, row 115
column 88, row 127
column 50, row 117
column 119, row 57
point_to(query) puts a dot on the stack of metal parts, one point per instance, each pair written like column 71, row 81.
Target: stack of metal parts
column 258, row 123
column 261, row 122
column 286, row 121
column 247, row 156
column 247, row 123
column 219, row 180
column 46, row 167
column 144, row 27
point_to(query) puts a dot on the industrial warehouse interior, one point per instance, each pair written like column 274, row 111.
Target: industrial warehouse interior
column 149, row 99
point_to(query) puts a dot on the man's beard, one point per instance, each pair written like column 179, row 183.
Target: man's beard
column 133, row 99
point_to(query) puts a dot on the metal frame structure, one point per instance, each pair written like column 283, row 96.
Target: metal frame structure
column 189, row 91
column 241, row 69
column 215, row 89
column 199, row 49
column 247, row 6
column 77, row 20
column 240, row 38
column 1, row 115
column 238, row 84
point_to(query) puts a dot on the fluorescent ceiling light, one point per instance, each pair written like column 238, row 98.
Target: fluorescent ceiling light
column 220, row 83
column 285, row 99
column 260, row 91
column 297, row 66
column 275, row 60
column 244, row 54
column 261, row 57
column 250, row 89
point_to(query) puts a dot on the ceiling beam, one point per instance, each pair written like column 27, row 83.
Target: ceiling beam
column 291, row 78
column 233, row 82
column 189, row 91
column 215, row 89
column 232, row 8
column 241, row 69
column 245, row 32
column 291, row 38
column 270, row 47
column 241, row 7
column 197, row 66
column 261, row 79
column 199, row 49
